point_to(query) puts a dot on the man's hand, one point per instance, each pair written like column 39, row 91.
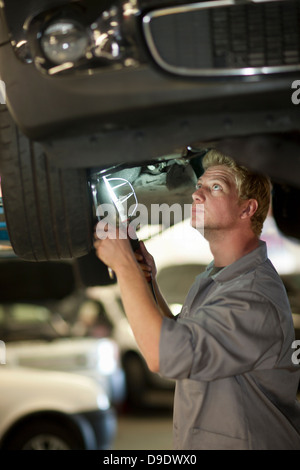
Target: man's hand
column 146, row 262
column 143, row 313
column 114, row 248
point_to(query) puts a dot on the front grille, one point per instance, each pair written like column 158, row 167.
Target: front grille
column 221, row 38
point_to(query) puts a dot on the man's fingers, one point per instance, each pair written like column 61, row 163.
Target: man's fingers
column 138, row 256
column 143, row 248
column 104, row 230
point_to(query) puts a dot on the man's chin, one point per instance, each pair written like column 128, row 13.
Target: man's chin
column 197, row 226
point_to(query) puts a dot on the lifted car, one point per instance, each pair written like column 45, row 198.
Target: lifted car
column 97, row 86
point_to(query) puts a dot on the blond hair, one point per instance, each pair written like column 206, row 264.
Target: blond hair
column 249, row 186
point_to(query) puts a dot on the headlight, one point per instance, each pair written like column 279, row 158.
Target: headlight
column 77, row 38
column 64, row 41
column 107, row 357
column 103, row 402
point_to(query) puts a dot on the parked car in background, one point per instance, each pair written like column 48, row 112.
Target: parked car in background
column 45, row 410
column 145, row 389
column 37, row 338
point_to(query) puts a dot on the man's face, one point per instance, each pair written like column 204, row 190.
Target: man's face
column 216, row 198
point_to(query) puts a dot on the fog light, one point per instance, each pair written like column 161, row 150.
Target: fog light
column 64, row 41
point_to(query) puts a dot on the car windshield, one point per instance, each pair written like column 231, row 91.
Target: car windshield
column 20, row 322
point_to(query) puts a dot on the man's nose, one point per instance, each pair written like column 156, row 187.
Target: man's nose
column 198, row 195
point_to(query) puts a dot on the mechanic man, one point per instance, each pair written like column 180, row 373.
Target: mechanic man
column 230, row 348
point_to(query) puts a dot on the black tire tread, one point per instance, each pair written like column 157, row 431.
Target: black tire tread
column 47, row 209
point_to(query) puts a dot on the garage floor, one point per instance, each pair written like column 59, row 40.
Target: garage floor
column 144, row 431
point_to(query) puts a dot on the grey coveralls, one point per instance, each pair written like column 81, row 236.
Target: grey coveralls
column 230, row 351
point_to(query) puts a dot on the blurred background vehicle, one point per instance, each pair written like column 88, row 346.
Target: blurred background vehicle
column 145, row 389
column 84, row 331
column 54, row 411
column 39, row 339
column 37, row 335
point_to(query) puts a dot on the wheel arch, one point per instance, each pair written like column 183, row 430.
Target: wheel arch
column 74, row 423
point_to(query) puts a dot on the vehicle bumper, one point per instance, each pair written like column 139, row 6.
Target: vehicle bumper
column 141, row 108
column 43, row 105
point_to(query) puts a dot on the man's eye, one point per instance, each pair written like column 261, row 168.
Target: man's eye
column 198, row 186
column 216, row 187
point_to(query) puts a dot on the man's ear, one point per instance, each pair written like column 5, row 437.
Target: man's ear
column 249, row 208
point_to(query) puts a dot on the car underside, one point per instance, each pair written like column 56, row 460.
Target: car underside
column 140, row 90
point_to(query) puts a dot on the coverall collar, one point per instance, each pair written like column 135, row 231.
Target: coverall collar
column 246, row 263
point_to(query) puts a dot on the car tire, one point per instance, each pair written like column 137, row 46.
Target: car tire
column 48, row 210
column 44, row 435
column 136, row 381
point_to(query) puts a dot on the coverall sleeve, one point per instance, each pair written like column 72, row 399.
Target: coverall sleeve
column 226, row 338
